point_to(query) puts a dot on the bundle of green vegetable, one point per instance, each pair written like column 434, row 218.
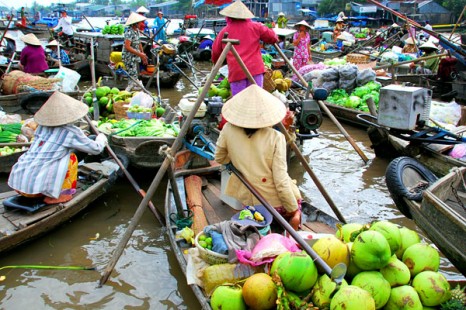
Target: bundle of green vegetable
column 8, row 150
column 357, row 99
column 9, row 132
column 139, row 128
column 113, row 29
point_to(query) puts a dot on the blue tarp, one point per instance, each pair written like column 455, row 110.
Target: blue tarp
column 198, row 3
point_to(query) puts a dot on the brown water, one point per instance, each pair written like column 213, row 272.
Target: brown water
column 147, row 275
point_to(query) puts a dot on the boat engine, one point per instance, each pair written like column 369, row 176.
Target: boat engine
column 308, row 118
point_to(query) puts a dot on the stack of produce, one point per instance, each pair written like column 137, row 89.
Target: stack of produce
column 8, row 150
column 388, row 267
column 9, row 132
column 139, row 128
column 357, row 99
column 105, row 95
column 282, row 84
column 221, row 90
column 114, row 29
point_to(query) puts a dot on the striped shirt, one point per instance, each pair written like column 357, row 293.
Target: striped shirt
column 42, row 169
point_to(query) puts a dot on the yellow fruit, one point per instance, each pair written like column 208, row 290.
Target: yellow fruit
column 332, row 250
column 288, row 82
column 277, row 74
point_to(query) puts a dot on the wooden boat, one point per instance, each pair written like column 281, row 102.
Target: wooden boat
column 7, row 161
column 28, row 102
column 320, row 56
column 439, row 212
column 19, row 226
column 314, row 220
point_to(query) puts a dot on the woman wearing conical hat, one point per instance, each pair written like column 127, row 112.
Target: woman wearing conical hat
column 302, row 43
column 49, row 168
column 429, row 49
column 410, row 46
column 339, row 27
column 258, row 151
column 249, row 33
column 33, row 58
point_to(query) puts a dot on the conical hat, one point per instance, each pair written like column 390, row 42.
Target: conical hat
column 410, row 41
column 8, row 36
column 395, row 25
column 429, row 44
column 340, row 20
column 254, row 107
column 303, row 23
column 237, row 10
column 281, row 14
column 53, row 43
column 60, row 109
column 134, row 18
column 30, row 39
column 142, row 9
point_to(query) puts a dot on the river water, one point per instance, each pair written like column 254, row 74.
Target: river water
column 147, row 275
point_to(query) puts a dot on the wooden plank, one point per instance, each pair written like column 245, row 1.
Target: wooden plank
column 7, row 194
column 319, row 228
column 220, row 208
column 209, row 212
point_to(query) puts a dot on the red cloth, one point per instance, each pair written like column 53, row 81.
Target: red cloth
column 249, row 34
column 33, row 59
column 218, row 2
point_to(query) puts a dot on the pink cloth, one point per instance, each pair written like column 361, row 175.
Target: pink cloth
column 249, row 34
column 33, row 59
column 301, row 54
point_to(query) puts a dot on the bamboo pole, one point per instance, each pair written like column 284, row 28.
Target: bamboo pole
column 457, row 22
column 409, row 61
column 163, row 168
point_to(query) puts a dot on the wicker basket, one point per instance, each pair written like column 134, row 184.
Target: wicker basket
column 358, row 58
column 269, row 84
column 210, row 256
column 120, row 108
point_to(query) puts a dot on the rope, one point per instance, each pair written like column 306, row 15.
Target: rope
column 182, row 221
column 165, row 150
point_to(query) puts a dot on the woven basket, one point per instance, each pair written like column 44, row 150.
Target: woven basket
column 209, row 256
column 120, row 108
column 269, row 84
column 357, row 58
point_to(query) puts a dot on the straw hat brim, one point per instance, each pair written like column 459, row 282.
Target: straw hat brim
column 53, row 43
column 60, row 109
column 8, row 36
column 30, row 39
column 134, row 18
column 410, row 41
column 281, row 14
column 340, row 20
column 428, row 45
column 254, row 108
column 142, row 9
column 395, row 25
column 303, row 23
column 237, row 10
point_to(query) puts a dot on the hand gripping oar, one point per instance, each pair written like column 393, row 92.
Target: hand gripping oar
column 170, row 153
column 295, row 148
column 336, row 274
column 324, row 107
column 127, row 174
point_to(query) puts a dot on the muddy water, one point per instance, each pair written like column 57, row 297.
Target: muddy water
column 147, row 275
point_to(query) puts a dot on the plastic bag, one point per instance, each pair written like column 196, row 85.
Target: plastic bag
column 28, row 128
column 142, row 99
column 348, row 85
column 70, row 79
column 329, row 86
column 446, row 113
column 348, row 72
column 330, row 74
column 365, row 76
column 10, row 118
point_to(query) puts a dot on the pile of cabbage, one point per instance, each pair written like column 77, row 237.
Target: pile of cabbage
column 139, row 128
column 357, row 99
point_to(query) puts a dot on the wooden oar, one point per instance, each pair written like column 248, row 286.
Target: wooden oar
column 324, row 108
column 295, row 148
column 6, row 29
column 130, row 178
column 304, row 245
column 165, row 165
column 457, row 22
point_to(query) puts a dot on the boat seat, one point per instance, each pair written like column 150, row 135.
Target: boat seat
column 24, row 203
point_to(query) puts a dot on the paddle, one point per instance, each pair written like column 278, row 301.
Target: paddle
column 324, row 107
column 6, row 29
column 130, row 178
column 337, row 273
column 295, row 148
column 170, row 153
column 84, row 16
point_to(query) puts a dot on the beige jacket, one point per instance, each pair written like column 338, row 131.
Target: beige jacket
column 262, row 160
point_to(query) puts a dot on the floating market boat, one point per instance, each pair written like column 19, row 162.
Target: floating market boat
column 437, row 206
column 25, row 221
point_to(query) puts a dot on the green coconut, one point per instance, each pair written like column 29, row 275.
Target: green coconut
column 228, row 297
column 323, row 290
column 297, row 271
column 403, row 298
column 391, row 232
column 421, row 257
column 408, row 238
column 352, row 269
column 375, row 284
column 345, row 231
column 396, row 273
column 432, row 288
column 370, row 250
column 352, row 298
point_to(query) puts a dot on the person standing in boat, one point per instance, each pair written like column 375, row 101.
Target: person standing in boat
column 339, row 27
column 65, row 24
column 53, row 55
column 33, row 58
column 133, row 52
column 49, row 168
column 144, row 27
column 302, row 43
column 258, row 151
column 23, row 17
column 160, row 25
column 427, row 26
column 240, row 27
column 282, row 21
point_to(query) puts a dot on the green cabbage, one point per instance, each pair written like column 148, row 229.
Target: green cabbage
column 361, row 91
column 373, row 85
column 353, row 102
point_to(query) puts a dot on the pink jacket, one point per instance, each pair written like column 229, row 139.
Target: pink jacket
column 249, row 34
column 33, row 59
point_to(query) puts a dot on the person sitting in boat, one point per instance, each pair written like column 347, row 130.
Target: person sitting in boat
column 379, row 39
column 49, row 168
column 206, row 43
column 338, row 29
column 160, row 26
column 65, row 24
column 282, row 21
column 428, row 49
column 10, row 45
column 144, row 27
column 258, row 151
column 53, row 55
column 240, row 27
column 33, row 58
column 410, row 47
